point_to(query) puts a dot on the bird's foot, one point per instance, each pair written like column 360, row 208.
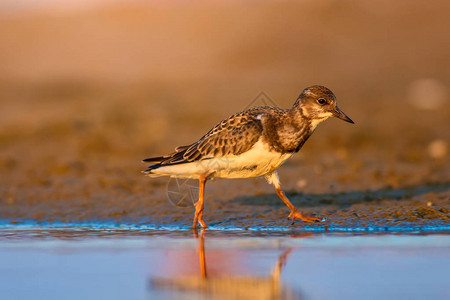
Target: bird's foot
column 295, row 214
column 195, row 226
column 198, row 217
column 199, row 220
column 203, row 223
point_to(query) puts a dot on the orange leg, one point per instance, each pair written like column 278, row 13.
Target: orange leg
column 198, row 217
column 295, row 214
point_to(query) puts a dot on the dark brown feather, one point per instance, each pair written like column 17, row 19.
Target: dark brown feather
column 154, row 159
column 232, row 136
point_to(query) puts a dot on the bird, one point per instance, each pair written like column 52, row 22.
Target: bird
column 251, row 143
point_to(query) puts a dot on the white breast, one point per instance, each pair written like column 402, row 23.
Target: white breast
column 258, row 161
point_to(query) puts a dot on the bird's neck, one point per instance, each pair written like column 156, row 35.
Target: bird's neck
column 292, row 131
column 297, row 118
column 300, row 116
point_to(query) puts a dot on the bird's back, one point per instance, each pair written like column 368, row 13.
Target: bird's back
column 237, row 143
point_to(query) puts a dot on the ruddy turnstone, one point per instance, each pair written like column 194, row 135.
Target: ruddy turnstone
column 251, row 143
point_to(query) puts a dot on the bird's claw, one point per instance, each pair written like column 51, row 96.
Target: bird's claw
column 295, row 214
column 196, row 221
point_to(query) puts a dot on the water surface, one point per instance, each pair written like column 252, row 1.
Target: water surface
column 77, row 263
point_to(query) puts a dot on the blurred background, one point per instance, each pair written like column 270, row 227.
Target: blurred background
column 90, row 88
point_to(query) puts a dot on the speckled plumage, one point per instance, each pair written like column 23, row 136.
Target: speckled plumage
column 251, row 143
column 237, row 134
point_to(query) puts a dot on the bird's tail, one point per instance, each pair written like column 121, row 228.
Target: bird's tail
column 150, row 169
column 166, row 160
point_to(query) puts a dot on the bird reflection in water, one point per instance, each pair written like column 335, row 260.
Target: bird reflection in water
column 227, row 286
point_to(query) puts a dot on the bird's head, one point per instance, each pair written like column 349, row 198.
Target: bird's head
column 318, row 103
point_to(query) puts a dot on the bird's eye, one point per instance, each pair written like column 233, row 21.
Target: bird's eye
column 321, row 101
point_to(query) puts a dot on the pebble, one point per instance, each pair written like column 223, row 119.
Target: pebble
column 427, row 93
column 437, row 149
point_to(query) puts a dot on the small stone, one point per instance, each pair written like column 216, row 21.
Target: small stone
column 302, row 183
column 427, row 93
column 437, row 149
column 10, row 200
column 342, row 153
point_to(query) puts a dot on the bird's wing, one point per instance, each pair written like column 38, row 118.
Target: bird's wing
column 233, row 136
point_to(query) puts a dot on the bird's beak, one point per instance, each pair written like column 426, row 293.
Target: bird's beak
column 340, row 114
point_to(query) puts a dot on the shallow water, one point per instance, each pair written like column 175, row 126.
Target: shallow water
column 109, row 263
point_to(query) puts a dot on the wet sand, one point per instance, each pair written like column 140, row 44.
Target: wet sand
column 73, row 131
column 416, row 208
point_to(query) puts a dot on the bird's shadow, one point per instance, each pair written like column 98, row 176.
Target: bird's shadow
column 346, row 199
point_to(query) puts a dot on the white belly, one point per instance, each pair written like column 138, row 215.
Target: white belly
column 255, row 162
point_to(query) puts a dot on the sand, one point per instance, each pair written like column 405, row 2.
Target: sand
column 85, row 94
